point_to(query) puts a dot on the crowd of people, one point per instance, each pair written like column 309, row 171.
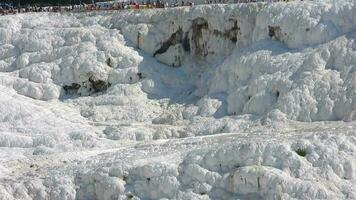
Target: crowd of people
column 10, row 9
column 6, row 9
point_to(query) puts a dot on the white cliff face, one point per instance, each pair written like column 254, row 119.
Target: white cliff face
column 210, row 102
column 307, row 86
column 297, row 58
column 201, row 31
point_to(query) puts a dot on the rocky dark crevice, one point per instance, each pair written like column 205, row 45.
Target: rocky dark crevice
column 71, row 89
column 194, row 42
column 91, row 86
column 176, row 38
column 198, row 26
column 98, row 85
column 274, row 32
column 230, row 34
column 186, row 42
column 109, row 62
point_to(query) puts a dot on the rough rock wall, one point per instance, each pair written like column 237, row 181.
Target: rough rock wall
column 295, row 59
column 298, row 58
column 200, row 32
column 209, row 30
column 44, row 61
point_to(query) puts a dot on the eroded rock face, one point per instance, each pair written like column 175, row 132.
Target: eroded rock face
column 98, row 85
column 71, row 89
column 175, row 38
column 194, row 42
column 201, row 34
column 171, row 51
column 91, row 86
column 274, row 32
column 199, row 27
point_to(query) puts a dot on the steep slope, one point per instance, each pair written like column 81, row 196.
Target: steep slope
column 297, row 58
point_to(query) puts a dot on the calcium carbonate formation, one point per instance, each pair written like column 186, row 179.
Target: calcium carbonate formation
column 239, row 101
